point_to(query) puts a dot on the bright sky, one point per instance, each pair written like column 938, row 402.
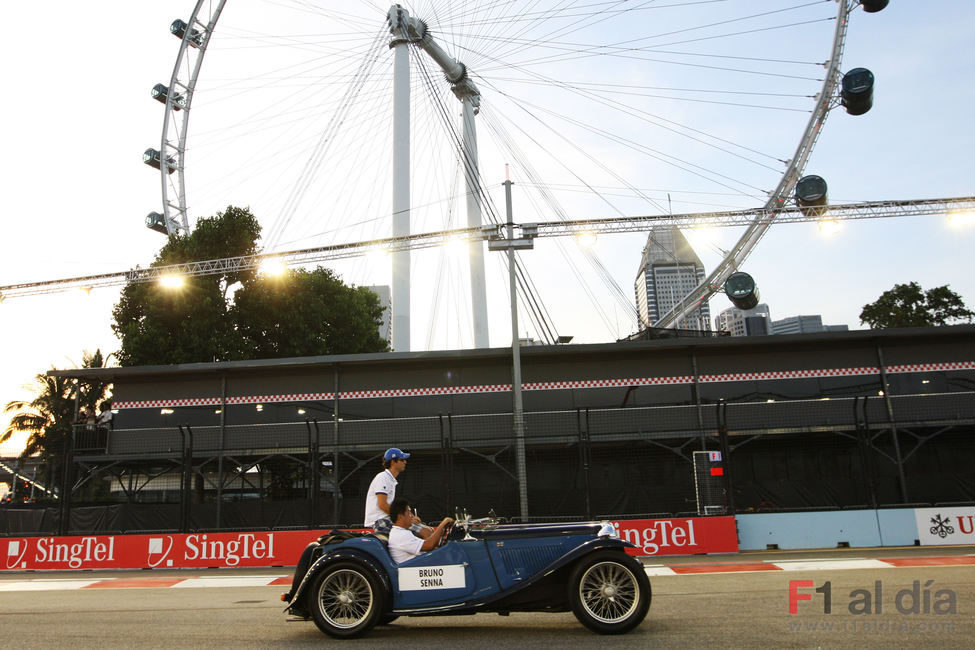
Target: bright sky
column 78, row 115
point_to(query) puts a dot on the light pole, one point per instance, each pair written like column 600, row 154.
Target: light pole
column 497, row 242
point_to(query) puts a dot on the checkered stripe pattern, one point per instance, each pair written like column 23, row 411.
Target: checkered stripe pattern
column 552, row 385
column 420, row 392
column 270, row 399
column 932, row 367
column 607, row 383
column 164, row 403
column 790, row 374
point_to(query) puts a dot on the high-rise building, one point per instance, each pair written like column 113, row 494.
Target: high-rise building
column 804, row 325
column 384, row 299
column 669, row 270
column 745, row 322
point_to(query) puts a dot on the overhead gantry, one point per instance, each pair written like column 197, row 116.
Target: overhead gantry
column 962, row 208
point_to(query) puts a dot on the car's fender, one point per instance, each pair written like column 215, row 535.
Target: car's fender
column 340, row 553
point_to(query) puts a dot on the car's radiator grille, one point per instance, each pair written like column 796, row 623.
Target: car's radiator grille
column 530, row 559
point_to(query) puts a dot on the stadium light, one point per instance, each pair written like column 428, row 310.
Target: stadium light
column 171, row 281
column 274, row 266
column 961, row 219
column 586, row 239
column 377, row 254
column 456, row 244
column 828, row 227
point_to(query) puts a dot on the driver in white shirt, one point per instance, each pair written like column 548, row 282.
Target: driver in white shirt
column 403, row 544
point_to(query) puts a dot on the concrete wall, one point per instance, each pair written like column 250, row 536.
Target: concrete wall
column 853, row 528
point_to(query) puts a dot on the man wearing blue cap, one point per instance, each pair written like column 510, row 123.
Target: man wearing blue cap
column 381, row 493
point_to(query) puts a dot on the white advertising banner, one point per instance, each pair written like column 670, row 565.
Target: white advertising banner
column 936, row 526
column 450, row 576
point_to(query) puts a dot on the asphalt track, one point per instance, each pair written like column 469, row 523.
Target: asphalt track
column 724, row 601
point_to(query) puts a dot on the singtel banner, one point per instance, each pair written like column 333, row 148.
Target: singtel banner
column 283, row 548
column 198, row 550
column 936, row 526
column 679, row 536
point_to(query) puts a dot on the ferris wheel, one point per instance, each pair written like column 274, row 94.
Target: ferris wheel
column 628, row 106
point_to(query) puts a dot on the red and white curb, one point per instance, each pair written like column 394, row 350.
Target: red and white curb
column 657, row 570
column 810, row 565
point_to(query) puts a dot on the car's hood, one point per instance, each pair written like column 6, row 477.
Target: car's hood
column 519, row 531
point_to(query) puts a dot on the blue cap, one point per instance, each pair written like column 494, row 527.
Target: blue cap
column 394, row 454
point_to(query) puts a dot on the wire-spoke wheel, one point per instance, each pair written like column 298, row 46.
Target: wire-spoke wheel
column 609, row 592
column 348, row 600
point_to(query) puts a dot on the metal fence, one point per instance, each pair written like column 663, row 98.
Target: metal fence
column 582, row 464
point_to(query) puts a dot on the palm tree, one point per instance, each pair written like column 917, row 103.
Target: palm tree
column 48, row 418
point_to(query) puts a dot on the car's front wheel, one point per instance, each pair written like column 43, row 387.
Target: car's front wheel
column 609, row 592
column 347, row 600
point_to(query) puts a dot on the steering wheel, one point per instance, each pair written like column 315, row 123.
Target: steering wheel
column 446, row 534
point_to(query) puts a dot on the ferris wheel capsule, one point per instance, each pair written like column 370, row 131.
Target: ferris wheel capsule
column 160, row 92
column 873, row 6
column 152, row 158
column 811, row 195
column 156, row 221
column 742, row 290
column 178, row 29
column 857, row 91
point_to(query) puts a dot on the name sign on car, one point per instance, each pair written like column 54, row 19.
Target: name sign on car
column 432, row 577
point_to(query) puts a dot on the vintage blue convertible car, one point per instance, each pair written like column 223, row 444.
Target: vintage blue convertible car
column 348, row 583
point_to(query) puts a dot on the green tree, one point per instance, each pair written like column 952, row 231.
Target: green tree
column 161, row 325
column 305, row 313
column 48, row 417
column 241, row 314
column 908, row 305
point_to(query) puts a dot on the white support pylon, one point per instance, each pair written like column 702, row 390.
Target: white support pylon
column 406, row 30
column 400, row 297
column 476, row 246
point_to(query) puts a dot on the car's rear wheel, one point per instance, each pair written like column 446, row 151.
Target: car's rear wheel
column 347, row 600
column 609, row 592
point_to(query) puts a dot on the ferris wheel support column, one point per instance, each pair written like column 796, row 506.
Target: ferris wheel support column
column 401, row 194
column 407, row 29
column 476, row 246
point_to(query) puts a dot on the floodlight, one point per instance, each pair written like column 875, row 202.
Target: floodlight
column 171, row 281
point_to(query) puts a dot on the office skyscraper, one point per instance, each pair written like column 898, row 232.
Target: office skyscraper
column 751, row 322
column 669, row 270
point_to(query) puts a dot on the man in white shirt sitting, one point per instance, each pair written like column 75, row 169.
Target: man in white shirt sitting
column 403, row 544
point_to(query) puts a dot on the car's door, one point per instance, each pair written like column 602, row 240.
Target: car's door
column 456, row 573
